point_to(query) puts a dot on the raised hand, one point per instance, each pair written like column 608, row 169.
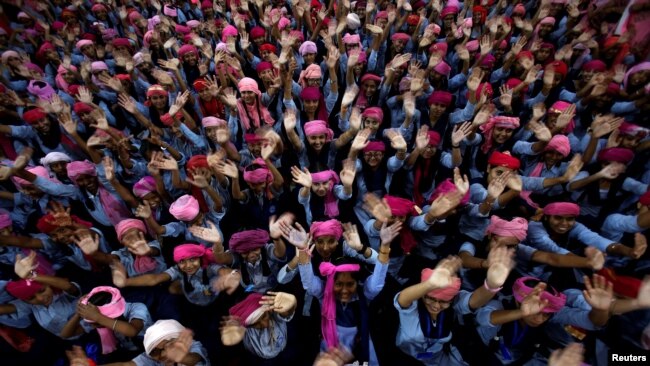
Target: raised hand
column 514, row 182
column 84, row 95
column 533, row 304
column 351, row 236
column 232, row 332
column 506, row 96
column 444, row 204
column 573, row 168
column 542, row 133
column 640, row 245
column 389, row 232
column 361, row 140
column 611, row 171
column 87, row 242
column 127, row 103
column 598, row 292
column 61, row 214
column 347, row 174
column 422, row 138
column 461, row 132
column 143, row 211
column 396, row 139
column 118, row 273
column 445, row 272
column 461, row 182
column 140, row 246
column 501, row 262
column 571, row 355
column 200, row 179
column 409, row 98
column 228, row 168
column 295, row 235
column 349, row 95
column 179, row 348
column 279, row 302
column 25, row 266
column 595, row 257
column 539, row 110
column 109, row 168
column 565, row 117
column 377, row 207
column 497, row 185
column 483, row 115
column 165, row 162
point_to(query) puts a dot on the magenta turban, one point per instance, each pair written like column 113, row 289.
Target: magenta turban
column 185, row 208
column 445, row 294
column 556, row 300
column 517, row 228
column 246, row 241
column 562, row 209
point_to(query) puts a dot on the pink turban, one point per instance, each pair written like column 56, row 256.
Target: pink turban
column 5, row 219
column 185, row 49
column 187, row 251
column 228, row 31
column 351, row 39
column 594, row 65
column 643, row 66
column 375, row 146
column 517, row 228
column 440, row 48
column 298, row 35
column 370, row 77
column 556, row 300
column 98, row 66
column 496, row 121
column 43, row 92
column 258, row 175
column 144, row 186
column 182, row 29
column 77, row 168
column 312, row 71
column 283, row 23
column 211, row 121
column 39, row 171
column 559, row 143
column 559, row 107
column 472, row 45
column 328, row 311
column 248, row 240
column 83, row 43
column 193, row 23
column 125, row 225
column 562, row 209
column 375, row 113
column 447, row 186
column 318, row 127
column 547, row 20
column 311, row 93
column 307, row 47
column 170, row 11
column 326, row 228
column 445, row 294
column 448, row 10
column 248, row 84
column 114, row 309
column 263, row 66
column 440, row 97
column 400, row 206
column 23, row 289
column 257, row 32
column 402, row 37
column 185, row 208
column 442, row 68
column 630, row 129
column 488, row 61
column 249, row 311
column 331, row 204
column 616, row 154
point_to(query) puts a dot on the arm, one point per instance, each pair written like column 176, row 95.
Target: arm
column 147, row 280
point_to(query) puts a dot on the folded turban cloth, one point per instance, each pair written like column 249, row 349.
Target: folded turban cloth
column 252, row 138
column 34, row 115
column 248, row 240
column 82, row 108
column 140, row 58
column 594, row 66
column 213, row 122
column 114, row 309
column 351, row 38
column 23, row 289
column 187, row 251
column 403, row 37
column 517, row 228
column 170, row 11
column 623, row 285
column 353, row 21
column 125, row 225
column 448, row 10
column 41, row 89
column 645, row 199
column 440, row 97
column 562, row 209
column 445, row 294
column 310, row 93
column 248, row 84
column 556, row 300
column 122, row 42
column 228, row 31
column 375, row 146
column 268, row 47
column 257, row 32
column 206, row 4
column 144, row 186
column 307, row 47
column 328, row 311
column 263, row 66
column 560, row 68
column 434, row 138
column 488, row 61
column 447, row 186
column 156, row 90
column 261, row 174
column 559, row 107
column 375, row 113
column 413, row 19
column 39, row 171
column 547, row 20
column 77, row 168
column 478, row 9
column 559, row 143
column 400, row 206
column 5, row 219
column 98, row 66
column 48, row 223
column 331, row 203
column 6, row 55
column 193, row 23
column 616, row 154
column 505, row 160
column 370, row 77
column 383, row 14
column 249, row 310
column 630, row 129
column 496, row 121
column 181, row 29
column 185, row 208
column 472, row 45
column 326, row 228
column 318, row 127
column 185, row 49
column 312, row 71
column 162, row 330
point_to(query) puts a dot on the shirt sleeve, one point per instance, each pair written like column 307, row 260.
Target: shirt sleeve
column 56, row 189
column 311, row 283
column 616, row 225
column 588, row 237
column 375, row 283
column 539, row 238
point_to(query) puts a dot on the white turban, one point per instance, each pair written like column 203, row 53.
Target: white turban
column 353, row 21
column 54, row 157
column 162, row 330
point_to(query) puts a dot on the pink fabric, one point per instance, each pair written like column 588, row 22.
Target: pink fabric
column 187, row 251
column 440, row 97
column 248, row 84
column 547, row 20
column 351, row 38
column 185, row 49
column 38, row 171
column 318, row 127
column 307, row 47
column 375, row 113
column 442, row 68
column 326, row 228
column 616, row 154
column 45, row 92
column 328, row 312
column 185, row 208
column 559, row 107
column 375, row 146
column 144, row 186
column 556, row 300
column 496, row 121
column 472, row 46
column 5, row 219
column 400, row 206
column 400, row 37
column 259, row 175
column 440, row 47
column 331, row 202
column 213, row 122
column 448, row 10
column 312, row 71
column 170, row 11
column 228, row 31
column 559, row 143
column 248, row 240
column 125, row 225
column 445, row 294
column 517, row 227
column 82, row 43
column 23, row 289
column 506, row 160
column 245, row 308
column 562, row 209
column 113, row 310
column 643, row 66
column 59, row 80
column 447, row 186
column 631, row 129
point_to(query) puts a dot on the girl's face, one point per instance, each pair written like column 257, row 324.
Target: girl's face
column 43, row 297
column 326, row 245
column 62, row 235
column 321, row 189
column 561, row 224
column 68, row 77
column 399, row 46
column 153, row 198
column 497, row 241
column 252, row 256
column 313, row 82
column 263, row 322
column 435, row 306
column 552, row 157
column 87, row 182
column 371, row 123
column 42, row 126
column 545, row 29
column 429, row 152
column 205, row 95
column 629, row 142
column 257, row 188
column 248, row 97
column 266, row 75
column 317, row 141
column 436, row 110
column 189, row 266
column 130, row 238
column 501, row 134
column 211, row 132
column 258, row 41
column 543, row 54
column 639, row 79
column 369, row 88
column 59, row 168
column 309, row 58
column 373, row 158
column 255, row 148
column 310, row 106
column 537, row 319
column 158, row 101
column 190, row 58
column 345, row 286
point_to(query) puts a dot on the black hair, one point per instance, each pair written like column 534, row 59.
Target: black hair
column 100, row 298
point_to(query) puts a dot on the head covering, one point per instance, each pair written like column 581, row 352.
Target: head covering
column 263, row 66
column 228, row 31
column 23, row 289
column 643, row 66
column 556, row 300
column 249, row 310
column 594, row 66
column 496, row 121
column 34, row 115
column 185, row 49
column 440, row 48
column 114, row 309
column 448, row 10
column 375, row 146
column 77, row 168
column 40, row 89
column 5, row 219
column 472, row 45
column 560, row 68
column 400, row 206
column 488, row 61
column 187, row 251
column 328, row 311
column 547, row 20
column 307, row 47
column 402, row 37
column 144, row 186
column 312, row 71
column 48, row 223
column 627, row 286
column 39, row 171
column 445, row 294
column 6, row 55
column 170, row 11
column 504, row 160
column 630, row 129
column 161, row 330
column 268, row 47
column 185, row 208
column 562, row 209
column 59, row 80
column 258, row 175
column 375, row 113
column 211, row 121
column 351, row 39
column 353, row 21
column 331, row 202
column 559, row 107
column 559, row 143
column 82, row 108
column 257, row 32
column 248, row 84
column 616, row 154
column 318, row 127
column 447, row 186
column 248, row 240
column 440, row 97
column 413, row 19
column 128, row 224
column 326, row 228
column 517, row 227
column 519, row 9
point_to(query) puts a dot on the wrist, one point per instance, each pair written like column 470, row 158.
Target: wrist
column 491, row 287
column 384, row 248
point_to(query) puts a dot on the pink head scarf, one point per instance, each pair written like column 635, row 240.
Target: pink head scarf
column 211, row 121
column 39, row 171
column 562, row 209
column 631, row 129
column 245, row 241
column 447, row 186
column 328, row 312
column 442, row 68
column 114, row 309
column 144, row 186
column 517, row 228
column 559, row 143
column 185, row 208
column 59, row 80
column 248, row 84
column 187, row 251
column 445, row 294
column 77, row 168
column 44, row 91
column 496, row 121
column 249, row 310
column 228, row 31
column 5, row 219
column 375, row 113
column 259, row 175
column 307, row 47
column 559, row 107
column 312, row 71
column 351, row 39
column 616, row 154
column 128, row 224
column 331, row 203
column 556, row 300
column 326, row 228
column 318, row 127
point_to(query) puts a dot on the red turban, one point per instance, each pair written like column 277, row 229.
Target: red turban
column 47, row 224
column 623, row 285
column 34, row 115
column 645, row 199
column 249, row 310
column 400, row 206
column 23, row 289
column 562, row 209
column 268, row 47
column 440, row 97
column 616, row 154
column 505, row 160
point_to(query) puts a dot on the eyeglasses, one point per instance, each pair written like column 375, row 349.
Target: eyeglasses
column 374, row 154
column 444, row 304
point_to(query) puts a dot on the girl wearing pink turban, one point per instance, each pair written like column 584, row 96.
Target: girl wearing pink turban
column 427, row 310
column 423, row 163
column 327, row 192
column 252, row 113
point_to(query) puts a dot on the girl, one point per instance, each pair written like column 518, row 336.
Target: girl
column 327, row 191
